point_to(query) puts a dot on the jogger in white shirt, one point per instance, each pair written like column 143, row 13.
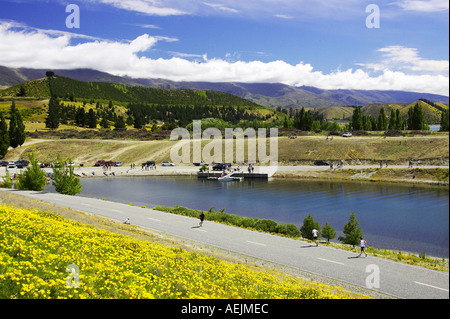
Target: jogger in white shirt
column 362, row 244
column 315, row 233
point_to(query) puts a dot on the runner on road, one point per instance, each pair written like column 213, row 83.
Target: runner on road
column 202, row 217
column 315, row 233
column 362, row 244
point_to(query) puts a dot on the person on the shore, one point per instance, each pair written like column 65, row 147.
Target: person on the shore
column 127, row 221
column 202, row 218
column 315, row 233
column 362, row 244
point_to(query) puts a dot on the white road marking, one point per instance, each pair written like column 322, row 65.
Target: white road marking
column 154, row 219
column 255, row 243
column 331, row 261
column 198, row 229
column 420, row 283
column 116, row 210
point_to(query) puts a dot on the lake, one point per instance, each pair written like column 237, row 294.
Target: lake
column 392, row 216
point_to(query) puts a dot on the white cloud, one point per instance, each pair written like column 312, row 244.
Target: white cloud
column 332, row 9
column 35, row 48
column 283, row 16
column 150, row 7
column 423, row 5
column 220, row 7
column 408, row 59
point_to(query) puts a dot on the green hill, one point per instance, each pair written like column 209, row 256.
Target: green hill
column 137, row 104
column 431, row 110
column 66, row 88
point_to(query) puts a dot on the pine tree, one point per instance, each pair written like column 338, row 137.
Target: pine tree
column 382, row 120
column 119, row 124
column 416, row 118
column 65, row 181
column 21, row 135
column 445, row 121
column 308, row 225
column 16, row 128
column 33, row 178
column 399, row 120
column 92, row 119
column 80, row 117
column 52, row 120
column 393, row 120
column 328, row 232
column 352, row 231
column 4, row 136
column 357, row 120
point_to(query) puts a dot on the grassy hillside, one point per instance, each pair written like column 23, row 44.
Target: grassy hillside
column 138, row 105
column 66, row 88
column 431, row 110
column 302, row 150
column 40, row 245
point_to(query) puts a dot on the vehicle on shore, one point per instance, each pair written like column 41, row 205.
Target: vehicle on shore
column 107, row 163
column 321, row 163
column 149, row 163
column 347, row 134
column 200, row 164
column 165, row 163
column 99, row 163
column 220, row 166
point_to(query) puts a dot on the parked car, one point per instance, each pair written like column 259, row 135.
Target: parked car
column 19, row 164
column 165, row 163
column 347, row 134
column 3, row 163
column 118, row 164
column 149, row 163
column 321, row 163
column 220, row 166
column 200, row 164
column 100, row 163
column 12, row 165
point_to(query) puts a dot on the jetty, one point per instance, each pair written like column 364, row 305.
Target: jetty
column 237, row 175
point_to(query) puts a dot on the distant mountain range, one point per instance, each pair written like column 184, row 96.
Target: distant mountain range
column 266, row 94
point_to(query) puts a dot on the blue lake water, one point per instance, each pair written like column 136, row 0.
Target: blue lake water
column 402, row 217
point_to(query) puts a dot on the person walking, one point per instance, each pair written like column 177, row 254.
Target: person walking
column 315, row 233
column 362, row 244
column 202, row 218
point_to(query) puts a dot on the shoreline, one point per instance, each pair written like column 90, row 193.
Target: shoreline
column 423, row 175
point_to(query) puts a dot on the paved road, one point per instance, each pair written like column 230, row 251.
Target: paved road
column 384, row 276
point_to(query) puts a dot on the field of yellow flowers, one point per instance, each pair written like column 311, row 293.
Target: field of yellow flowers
column 37, row 247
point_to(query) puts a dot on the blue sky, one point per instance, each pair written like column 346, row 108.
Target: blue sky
column 319, row 43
